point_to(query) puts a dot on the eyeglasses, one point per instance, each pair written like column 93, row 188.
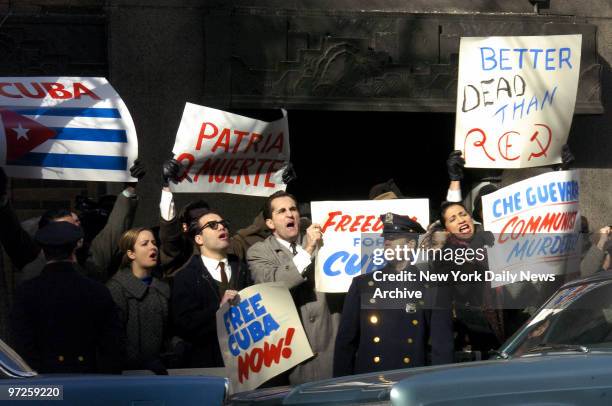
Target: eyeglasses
column 214, row 224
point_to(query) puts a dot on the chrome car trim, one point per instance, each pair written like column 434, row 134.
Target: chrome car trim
column 12, row 365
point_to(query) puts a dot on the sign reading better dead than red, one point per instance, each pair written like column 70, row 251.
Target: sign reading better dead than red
column 516, row 99
column 228, row 153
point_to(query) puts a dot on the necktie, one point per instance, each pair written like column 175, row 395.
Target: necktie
column 293, row 248
column 224, row 280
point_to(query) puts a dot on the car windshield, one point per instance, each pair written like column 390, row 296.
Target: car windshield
column 576, row 319
column 11, row 364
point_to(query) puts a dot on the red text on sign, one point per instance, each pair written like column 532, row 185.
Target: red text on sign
column 35, row 90
column 266, row 356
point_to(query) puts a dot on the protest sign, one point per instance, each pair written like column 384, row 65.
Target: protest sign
column 228, row 153
column 72, row 128
column 515, row 99
column 351, row 232
column 261, row 336
column 536, row 224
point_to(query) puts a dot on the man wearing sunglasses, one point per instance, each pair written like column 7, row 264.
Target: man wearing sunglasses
column 208, row 280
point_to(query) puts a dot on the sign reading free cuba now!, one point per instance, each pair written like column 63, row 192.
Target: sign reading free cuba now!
column 351, row 234
column 228, row 153
column 71, row 128
column 516, row 99
column 536, row 224
column 260, row 337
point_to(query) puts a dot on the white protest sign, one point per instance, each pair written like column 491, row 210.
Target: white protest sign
column 228, row 153
column 536, row 224
column 261, row 336
column 515, row 99
column 71, row 128
column 351, row 232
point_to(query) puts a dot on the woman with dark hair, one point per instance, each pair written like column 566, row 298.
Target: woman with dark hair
column 142, row 300
column 479, row 318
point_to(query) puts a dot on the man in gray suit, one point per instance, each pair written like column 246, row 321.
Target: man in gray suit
column 287, row 256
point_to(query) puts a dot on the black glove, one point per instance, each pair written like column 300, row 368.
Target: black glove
column 455, row 164
column 567, row 158
column 138, row 170
column 170, row 172
column 3, row 183
column 482, row 238
column 289, row 174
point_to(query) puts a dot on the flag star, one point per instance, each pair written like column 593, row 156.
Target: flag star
column 21, row 132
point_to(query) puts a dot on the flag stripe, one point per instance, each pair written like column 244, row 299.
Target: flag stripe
column 90, row 134
column 83, row 148
column 80, row 122
column 65, row 111
column 72, row 161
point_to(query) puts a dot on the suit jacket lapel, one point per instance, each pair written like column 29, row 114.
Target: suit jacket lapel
column 204, row 276
column 235, row 281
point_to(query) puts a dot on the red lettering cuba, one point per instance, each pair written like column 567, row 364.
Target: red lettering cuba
column 40, row 90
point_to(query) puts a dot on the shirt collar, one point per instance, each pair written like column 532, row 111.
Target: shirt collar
column 211, row 263
column 287, row 244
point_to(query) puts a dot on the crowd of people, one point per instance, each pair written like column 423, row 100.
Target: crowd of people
column 146, row 298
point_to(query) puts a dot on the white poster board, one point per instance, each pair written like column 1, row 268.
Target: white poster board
column 228, row 153
column 351, row 231
column 515, row 99
column 261, row 336
column 536, row 226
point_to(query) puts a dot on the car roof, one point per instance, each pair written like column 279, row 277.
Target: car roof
column 596, row 277
column 543, row 379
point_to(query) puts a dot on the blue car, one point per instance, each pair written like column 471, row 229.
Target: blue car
column 19, row 382
column 561, row 356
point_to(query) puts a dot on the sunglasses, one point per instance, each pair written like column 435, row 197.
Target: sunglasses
column 214, row 224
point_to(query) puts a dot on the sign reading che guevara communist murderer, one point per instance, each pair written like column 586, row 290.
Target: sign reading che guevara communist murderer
column 71, row 128
column 516, row 99
column 228, row 153
column 261, row 336
column 536, row 225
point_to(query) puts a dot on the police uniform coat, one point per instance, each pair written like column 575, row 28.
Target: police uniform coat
column 320, row 313
column 103, row 254
column 384, row 334
column 63, row 322
column 194, row 304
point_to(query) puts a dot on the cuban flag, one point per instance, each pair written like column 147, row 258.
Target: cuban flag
column 65, row 128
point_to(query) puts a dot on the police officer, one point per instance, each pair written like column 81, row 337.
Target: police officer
column 62, row 321
column 379, row 333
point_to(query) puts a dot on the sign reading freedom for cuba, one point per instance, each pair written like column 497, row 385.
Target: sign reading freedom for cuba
column 65, row 128
column 228, row 153
column 351, row 232
column 516, row 99
column 536, row 225
column 261, row 336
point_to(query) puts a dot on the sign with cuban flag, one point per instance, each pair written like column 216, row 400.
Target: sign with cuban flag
column 70, row 128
